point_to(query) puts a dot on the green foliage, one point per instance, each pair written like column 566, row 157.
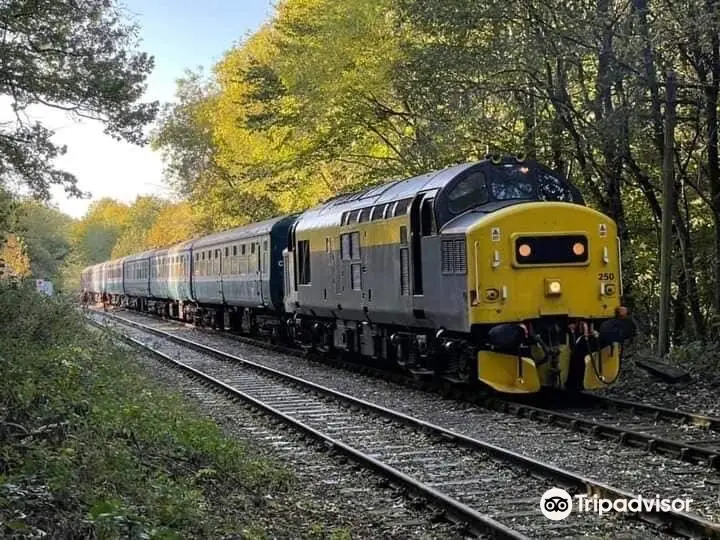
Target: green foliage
column 333, row 95
column 142, row 215
column 46, row 232
column 89, row 445
column 76, row 56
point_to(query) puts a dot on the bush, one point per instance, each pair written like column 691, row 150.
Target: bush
column 90, row 447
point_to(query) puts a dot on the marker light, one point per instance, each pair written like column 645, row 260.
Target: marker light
column 552, row 287
column 524, row 250
column 578, row 249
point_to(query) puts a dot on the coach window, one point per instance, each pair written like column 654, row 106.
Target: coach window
column 377, row 212
column 303, row 262
column 227, row 251
column 364, row 215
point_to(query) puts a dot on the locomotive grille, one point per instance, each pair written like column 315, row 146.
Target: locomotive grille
column 453, row 256
column 404, row 272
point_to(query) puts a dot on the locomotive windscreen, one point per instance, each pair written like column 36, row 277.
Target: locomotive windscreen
column 517, row 181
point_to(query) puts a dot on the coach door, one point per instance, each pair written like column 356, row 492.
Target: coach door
column 257, row 258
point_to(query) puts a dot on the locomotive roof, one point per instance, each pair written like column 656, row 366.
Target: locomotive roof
column 238, row 233
column 330, row 213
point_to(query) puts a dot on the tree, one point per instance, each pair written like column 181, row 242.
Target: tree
column 13, row 252
column 72, row 55
column 175, row 223
column 46, row 232
column 95, row 235
column 141, row 217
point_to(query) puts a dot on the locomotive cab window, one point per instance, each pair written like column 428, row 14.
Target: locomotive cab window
column 470, row 192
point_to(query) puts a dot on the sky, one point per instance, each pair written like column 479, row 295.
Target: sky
column 180, row 34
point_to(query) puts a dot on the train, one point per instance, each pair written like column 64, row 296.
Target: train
column 493, row 273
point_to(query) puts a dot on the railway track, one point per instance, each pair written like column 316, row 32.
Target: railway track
column 491, row 489
column 681, row 435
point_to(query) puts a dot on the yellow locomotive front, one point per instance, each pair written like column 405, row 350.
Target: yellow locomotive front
column 543, row 277
column 543, row 283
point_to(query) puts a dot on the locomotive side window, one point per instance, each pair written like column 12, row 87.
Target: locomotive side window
column 364, row 215
column 468, row 193
column 401, row 208
column 377, row 212
column 303, row 262
column 429, row 226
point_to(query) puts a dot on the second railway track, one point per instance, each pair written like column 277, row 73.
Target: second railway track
column 492, row 489
column 679, row 434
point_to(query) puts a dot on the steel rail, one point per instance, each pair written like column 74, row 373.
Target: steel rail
column 460, row 513
column 684, row 451
column 710, row 422
column 679, row 522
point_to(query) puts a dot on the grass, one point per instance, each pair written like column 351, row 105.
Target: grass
column 91, row 448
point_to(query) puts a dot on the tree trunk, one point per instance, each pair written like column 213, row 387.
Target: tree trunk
column 711, row 118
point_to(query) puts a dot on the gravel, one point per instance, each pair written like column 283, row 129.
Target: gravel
column 700, row 395
column 328, row 492
column 634, row 470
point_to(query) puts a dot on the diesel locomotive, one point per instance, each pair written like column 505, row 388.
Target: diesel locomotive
column 494, row 272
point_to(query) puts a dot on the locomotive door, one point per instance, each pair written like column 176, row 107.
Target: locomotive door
column 422, row 223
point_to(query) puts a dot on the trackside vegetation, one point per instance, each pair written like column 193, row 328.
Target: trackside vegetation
column 91, row 447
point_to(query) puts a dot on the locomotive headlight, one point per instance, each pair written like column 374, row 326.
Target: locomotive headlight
column 524, row 250
column 578, row 248
column 553, row 287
